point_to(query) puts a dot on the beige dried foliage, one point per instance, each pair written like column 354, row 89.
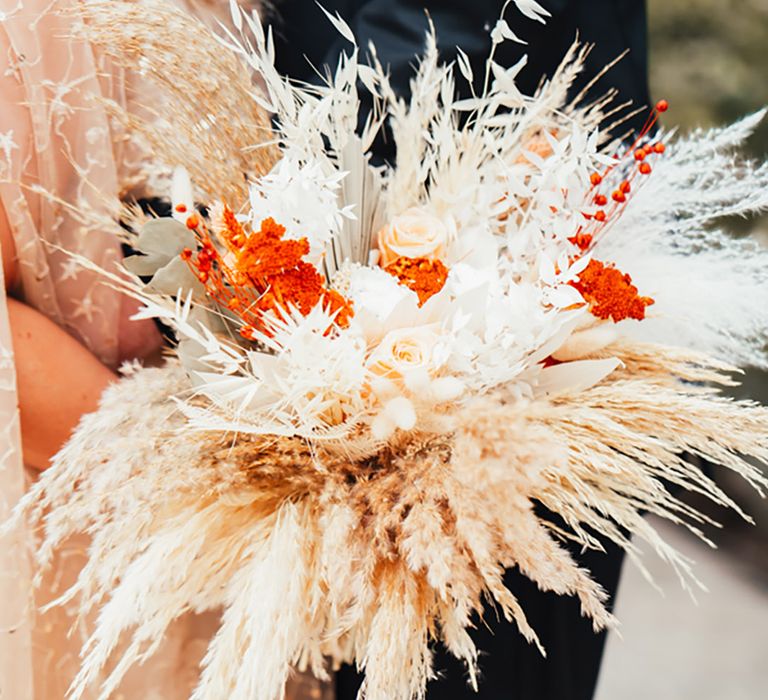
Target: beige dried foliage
column 197, row 110
column 313, row 555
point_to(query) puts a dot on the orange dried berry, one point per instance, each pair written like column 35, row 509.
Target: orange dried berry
column 193, row 221
column 645, row 169
column 181, row 208
column 186, row 254
column 234, row 233
column 610, row 293
column 424, row 276
column 581, row 240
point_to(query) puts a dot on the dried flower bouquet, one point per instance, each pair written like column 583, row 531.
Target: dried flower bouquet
column 381, row 370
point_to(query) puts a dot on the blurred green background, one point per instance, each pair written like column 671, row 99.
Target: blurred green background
column 710, row 59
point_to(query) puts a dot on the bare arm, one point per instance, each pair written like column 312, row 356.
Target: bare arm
column 58, row 378
column 58, row 381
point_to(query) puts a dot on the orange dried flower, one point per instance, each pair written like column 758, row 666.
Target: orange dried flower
column 610, row 293
column 338, row 304
column 233, row 235
column 269, row 274
column 300, row 286
column 265, row 253
column 425, row 276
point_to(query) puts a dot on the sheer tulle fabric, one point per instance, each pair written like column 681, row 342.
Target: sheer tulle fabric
column 55, row 136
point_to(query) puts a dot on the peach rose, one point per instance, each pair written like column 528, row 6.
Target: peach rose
column 413, row 234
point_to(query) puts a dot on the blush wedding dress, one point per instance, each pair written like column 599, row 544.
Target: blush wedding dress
column 55, row 136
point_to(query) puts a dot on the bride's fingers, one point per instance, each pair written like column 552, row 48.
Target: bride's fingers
column 136, row 339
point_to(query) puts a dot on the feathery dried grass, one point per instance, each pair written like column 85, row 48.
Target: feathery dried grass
column 207, row 120
column 314, row 555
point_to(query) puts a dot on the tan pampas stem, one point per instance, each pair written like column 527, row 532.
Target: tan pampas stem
column 207, row 119
column 314, row 555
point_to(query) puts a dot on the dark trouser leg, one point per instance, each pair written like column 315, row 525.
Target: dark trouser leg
column 510, row 668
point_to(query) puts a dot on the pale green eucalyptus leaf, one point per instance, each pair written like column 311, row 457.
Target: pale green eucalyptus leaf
column 176, row 275
column 160, row 243
column 164, row 237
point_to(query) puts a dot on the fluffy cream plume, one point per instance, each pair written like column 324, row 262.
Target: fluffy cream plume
column 711, row 289
column 313, row 555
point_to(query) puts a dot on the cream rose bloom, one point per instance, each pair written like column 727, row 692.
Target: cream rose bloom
column 415, row 233
column 404, row 381
column 404, row 352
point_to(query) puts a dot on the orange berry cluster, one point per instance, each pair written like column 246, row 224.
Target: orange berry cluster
column 610, row 206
